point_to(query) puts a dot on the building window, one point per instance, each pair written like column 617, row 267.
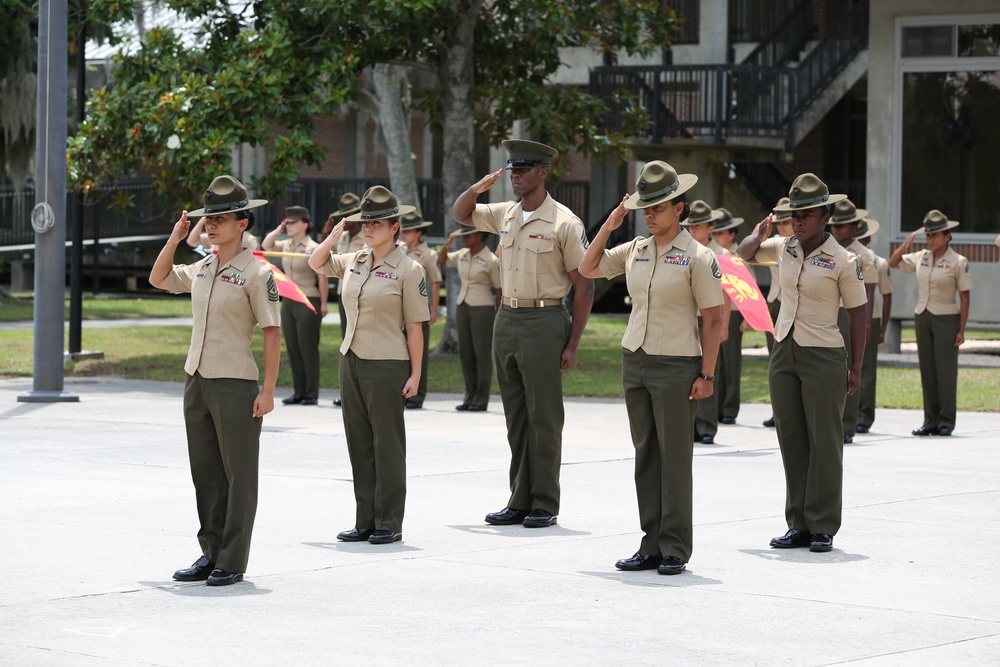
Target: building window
column 949, row 83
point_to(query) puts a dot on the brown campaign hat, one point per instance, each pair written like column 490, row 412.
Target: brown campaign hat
column 727, row 221
column 465, row 231
column 782, row 214
column 378, row 204
column 845, row 213
column 226, row 195
column 413, row 221
column 934, row 221
column 701, row 213
column 808, row 191
column 866, row 229
column 349, row 203
column 658, row 182
column 522, row 154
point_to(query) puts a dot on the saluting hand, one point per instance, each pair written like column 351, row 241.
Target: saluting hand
column 487, row 181
column 180, row 231
column 617, row 216
column 764, row 227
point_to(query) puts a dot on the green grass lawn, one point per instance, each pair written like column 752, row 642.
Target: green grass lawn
column 158, row 353
column 105, row 308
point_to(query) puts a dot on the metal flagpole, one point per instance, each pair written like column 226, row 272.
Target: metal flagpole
column 49, row 215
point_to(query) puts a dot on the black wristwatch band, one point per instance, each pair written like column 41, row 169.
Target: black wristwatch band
column 710, row 378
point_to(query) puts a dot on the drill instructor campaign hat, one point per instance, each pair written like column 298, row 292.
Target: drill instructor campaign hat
column 701, row 214
column 782, row 215
column 349, row 203
column 727, row 221
column 226, row 195
column 413, row 221
column 808, row 191
column 523, row 154
column 378, row 204
column 658, row 182
column 845, row 213
column 866, row 229
column 934, row 221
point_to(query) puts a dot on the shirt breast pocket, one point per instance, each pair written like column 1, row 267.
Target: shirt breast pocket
column 507, row 250
column 539, row 255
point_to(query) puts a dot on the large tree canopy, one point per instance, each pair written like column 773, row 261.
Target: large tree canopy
column 260, row 72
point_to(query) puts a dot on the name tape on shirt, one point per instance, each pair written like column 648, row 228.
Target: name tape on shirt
column 355, row 272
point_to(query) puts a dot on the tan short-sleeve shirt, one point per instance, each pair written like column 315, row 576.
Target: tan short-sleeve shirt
column 938, row 282
column 716, row 248
column 478, row 273
column 812, row 288
column 227, row 303
column 536, row 255
column 249, row 241
column 297, row 268
column 349, row 244
column 379, row 300
column 884, row 284
column 667, row 289
column 427, row 259
column 867, row 258
column 774, row 291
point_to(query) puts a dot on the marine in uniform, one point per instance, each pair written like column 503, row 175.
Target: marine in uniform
column 808, row 373
column 385, row 296
column 876, row 335
column 843, row 225
column 666, row 367
column 942, row 274
column 700, row 224
column 417, row 249
column 350, row 241
column 300, row 326
column 534, row 337
column 479, row 273
column 728, row 379
column 231, row 294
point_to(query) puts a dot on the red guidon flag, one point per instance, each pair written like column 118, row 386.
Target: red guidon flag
column 286, row 287
column 739, row 285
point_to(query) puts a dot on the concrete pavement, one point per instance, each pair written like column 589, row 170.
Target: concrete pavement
column 97, row 510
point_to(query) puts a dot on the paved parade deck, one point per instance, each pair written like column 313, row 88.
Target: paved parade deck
column 97, row 510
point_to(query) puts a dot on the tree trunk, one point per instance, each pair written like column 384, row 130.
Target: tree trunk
column 392, row 91
column 456, row 77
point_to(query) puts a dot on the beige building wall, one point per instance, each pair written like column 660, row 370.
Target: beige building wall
column 882, row 166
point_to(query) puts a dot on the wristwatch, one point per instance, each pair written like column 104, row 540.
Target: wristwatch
column 710, row 378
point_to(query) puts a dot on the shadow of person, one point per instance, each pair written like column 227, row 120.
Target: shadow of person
column 805, row 556
column 653, row 578
column 363, row 547
column 554, row 530
column 198, row 589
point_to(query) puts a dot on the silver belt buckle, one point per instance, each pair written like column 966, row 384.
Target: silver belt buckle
column 512, row 301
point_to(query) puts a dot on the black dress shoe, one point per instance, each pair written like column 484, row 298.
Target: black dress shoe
column 292, row 400
column 944, row 431
column 861, row 428
column 639, row 561
column 413, row 405
column 223, row 578
column 848, row 439
column 355, row 534
column 925, row 430
column 728, row 421
column 671, row 565
column 198, row 571
column 821, row 542
column 539, row 519
column 384, row 537
column 308, row 401
column 474, row 408
column 463, row 407
column 508, row 516
column 337, row 402
column 769, row 422
column 707, row 440
column 793, row 539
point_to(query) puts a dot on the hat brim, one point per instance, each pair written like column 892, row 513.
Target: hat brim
column 732, row 224
column 253, row 203
column 346, row 211
column 714, row 218
column 421, row 225
column 466, row 231
column 951, row 224
column 635, row 203
column 403, row 210
column 859, row 215
column 871, row 231
column 791, row 206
